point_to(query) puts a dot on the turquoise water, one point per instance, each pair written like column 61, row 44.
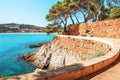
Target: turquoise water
column 14, row 45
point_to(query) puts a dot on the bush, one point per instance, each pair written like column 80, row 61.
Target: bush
column 115, row 13
column 98, row 54
column 51, row 28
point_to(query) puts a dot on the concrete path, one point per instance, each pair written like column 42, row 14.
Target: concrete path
column 111, row 72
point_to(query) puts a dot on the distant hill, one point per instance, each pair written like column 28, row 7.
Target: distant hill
column 14, row 27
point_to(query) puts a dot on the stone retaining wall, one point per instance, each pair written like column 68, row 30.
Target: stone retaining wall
column 81, row 48
column 77, row 70
column 108, row 29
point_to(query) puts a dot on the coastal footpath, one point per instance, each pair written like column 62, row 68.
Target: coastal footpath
column 78, row 70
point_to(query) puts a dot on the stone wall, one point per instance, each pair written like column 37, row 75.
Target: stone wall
column 108, row 29
column 80, row 48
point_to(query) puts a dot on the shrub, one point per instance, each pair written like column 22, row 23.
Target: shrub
column 115, row 13
column 98, row 54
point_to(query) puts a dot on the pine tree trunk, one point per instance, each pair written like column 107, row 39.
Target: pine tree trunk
column 72, row 19
column 65, row 26
column 99, row 16
column 77, row 19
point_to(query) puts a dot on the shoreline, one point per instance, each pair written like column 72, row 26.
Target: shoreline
column 23, row 33
column 28, row 33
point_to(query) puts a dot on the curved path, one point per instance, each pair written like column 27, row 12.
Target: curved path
column 111, row 72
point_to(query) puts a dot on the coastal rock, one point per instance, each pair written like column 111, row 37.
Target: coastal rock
column 57, row 59
column 29, row 56
column 49, row 56
column 37, row 45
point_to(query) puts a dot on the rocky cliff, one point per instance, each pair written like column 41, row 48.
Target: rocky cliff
column 63, row 51
column 108, row 29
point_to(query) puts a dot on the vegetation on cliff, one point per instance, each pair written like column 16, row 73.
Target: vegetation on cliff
column 115, row 13
column 52, row 28
column 89, row 10
column 98, row 54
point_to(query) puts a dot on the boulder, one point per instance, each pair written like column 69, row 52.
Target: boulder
column 49, row 56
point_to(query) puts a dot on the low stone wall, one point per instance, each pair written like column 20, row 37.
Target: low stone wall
column 78, row 70
column 108, row 29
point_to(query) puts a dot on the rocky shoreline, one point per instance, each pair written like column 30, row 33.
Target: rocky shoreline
column 37, row 45
column 49, row 56
column 61, row 52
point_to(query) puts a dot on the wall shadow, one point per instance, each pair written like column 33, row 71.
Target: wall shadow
column 58, row 71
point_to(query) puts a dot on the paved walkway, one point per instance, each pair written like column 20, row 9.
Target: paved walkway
column 111, row 72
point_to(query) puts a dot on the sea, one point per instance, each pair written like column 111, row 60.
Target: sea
column 12, row 45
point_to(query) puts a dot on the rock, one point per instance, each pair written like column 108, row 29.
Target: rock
column 37, row 45
column 29, row 56
column 57, row 59
column 49, row 56
column 40, row 70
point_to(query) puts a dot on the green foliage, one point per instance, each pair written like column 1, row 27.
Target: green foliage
column 90, row 10
column 115, row 13
column 51, row 28
column 2, row 76
column 98, row 54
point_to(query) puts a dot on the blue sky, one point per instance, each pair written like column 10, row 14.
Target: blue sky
column 25, row 11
